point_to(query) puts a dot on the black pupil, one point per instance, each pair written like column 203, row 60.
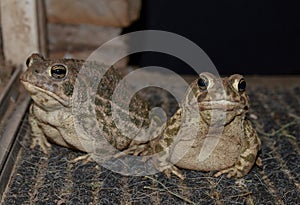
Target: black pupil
column 202, row 83
column 58, row 72
column 242, row 85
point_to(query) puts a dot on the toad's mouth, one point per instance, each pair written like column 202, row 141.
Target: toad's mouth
column 38, row 93
column 223, row 105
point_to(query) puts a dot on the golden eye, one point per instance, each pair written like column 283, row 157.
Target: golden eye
column 58, row 71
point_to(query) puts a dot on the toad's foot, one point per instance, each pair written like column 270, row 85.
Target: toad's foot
column 237, row 170
column 84, row 158
column 234, row 171
column 231, row 172
column 141, row 150
column 175, row 171
column 163, row 164
column 258, row 162
column 42, row 142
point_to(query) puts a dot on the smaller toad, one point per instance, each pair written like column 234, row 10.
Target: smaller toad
column 220, row 138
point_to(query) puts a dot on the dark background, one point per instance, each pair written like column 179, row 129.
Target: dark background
column 247, row 37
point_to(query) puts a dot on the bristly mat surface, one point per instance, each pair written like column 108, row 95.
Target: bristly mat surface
column 275, row 112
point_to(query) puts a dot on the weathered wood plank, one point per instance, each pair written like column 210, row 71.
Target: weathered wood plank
column 119, row 13
column 20, row 30
column 79, row 37
column 79, row 41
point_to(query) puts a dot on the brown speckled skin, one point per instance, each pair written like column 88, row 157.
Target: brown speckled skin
column 238, row 144
column 51, row 116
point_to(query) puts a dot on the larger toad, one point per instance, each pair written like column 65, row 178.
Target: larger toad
column 51, row 82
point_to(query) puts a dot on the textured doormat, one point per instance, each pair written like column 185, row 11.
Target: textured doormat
column 51, row 179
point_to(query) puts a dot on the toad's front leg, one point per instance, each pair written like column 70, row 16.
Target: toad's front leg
column 161, row 157
column 37, row 134
column 247, row 157
column 160, row 160
column 163, row 164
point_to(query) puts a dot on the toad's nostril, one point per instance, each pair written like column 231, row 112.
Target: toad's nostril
column 36, row 71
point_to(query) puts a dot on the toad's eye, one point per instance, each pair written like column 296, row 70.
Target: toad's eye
column 202, row 83
column 242, row 85
column 58, row 71
column 28, row 62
